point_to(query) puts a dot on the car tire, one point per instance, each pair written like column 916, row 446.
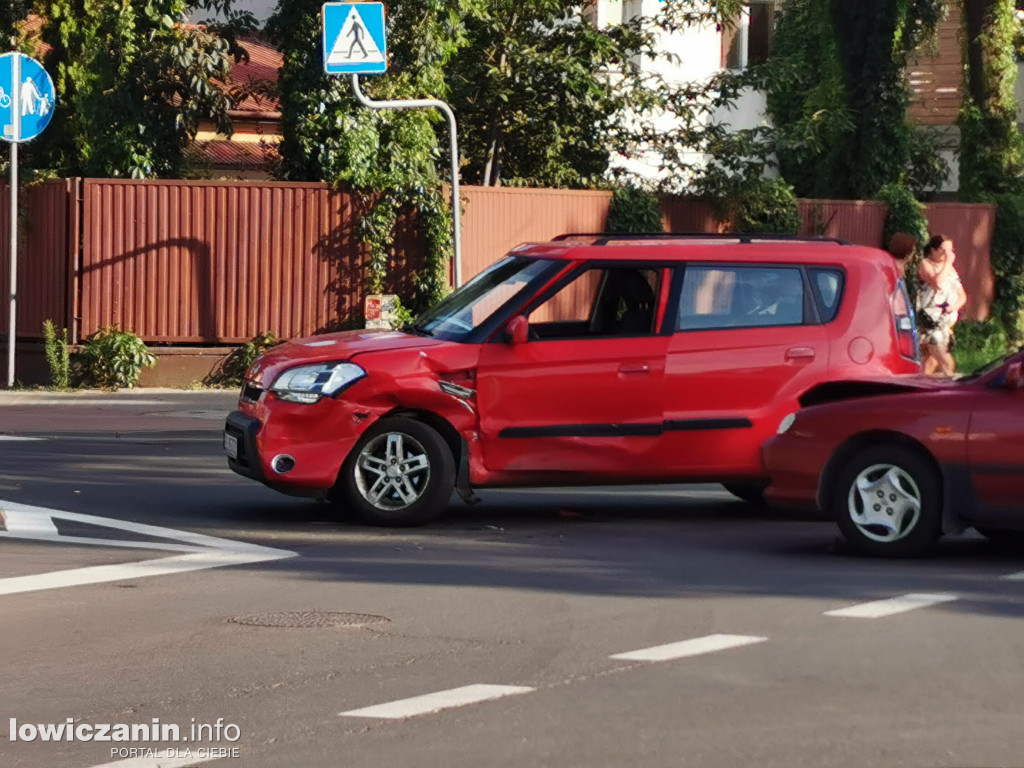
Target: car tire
column 400, row 473
column 752, row 493
column 888, row 502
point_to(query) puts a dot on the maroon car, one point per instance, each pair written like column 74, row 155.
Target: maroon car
column 898, row 463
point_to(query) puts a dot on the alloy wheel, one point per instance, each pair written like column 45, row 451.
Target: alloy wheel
column 392, row 471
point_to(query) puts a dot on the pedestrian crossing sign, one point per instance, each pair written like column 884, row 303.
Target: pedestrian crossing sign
column 354, row 39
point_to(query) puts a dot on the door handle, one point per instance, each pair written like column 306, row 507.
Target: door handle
column 634, row 368
column 799, row 353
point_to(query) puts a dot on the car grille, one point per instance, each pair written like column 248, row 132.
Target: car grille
column 251, row 392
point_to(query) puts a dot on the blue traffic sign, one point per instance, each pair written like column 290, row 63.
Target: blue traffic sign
column 26, row 104
column 354, row 39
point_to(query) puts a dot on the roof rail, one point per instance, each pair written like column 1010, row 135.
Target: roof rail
column 603, row 238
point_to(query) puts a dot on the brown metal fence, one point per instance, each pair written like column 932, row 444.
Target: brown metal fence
column 209, row 262
column 193, row 262
column 47, row 255
column 970, row 227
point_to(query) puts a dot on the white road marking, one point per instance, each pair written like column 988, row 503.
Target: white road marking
column 201, row 551
column 18, row 439
column 902, row 604
column 435, row 702
column 685, row 648
column 1018, row 576
column 158, row 762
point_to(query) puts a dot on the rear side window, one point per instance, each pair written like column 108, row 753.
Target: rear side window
column 740, row 297
column 828, row 292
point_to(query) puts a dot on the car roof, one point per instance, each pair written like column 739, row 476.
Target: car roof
column 712, row 248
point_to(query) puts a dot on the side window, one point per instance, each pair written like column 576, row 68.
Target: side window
column 612, row 301
column 740, row 297
column 828, row 292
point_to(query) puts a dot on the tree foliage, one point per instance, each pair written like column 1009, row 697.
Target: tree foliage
column 391, row 157
column 838, row 93
column 12, row 13
column 992, row 152
column 531, row 90
column 133, row 82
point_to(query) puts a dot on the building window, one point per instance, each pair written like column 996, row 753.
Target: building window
column 747, row 39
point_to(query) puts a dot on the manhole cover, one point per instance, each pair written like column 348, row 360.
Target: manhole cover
column 309, row 619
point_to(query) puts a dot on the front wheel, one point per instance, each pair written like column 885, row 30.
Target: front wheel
column 888, row 502
column 400, row 473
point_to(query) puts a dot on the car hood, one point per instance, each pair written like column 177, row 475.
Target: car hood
column 834, row 391
column 329, row 347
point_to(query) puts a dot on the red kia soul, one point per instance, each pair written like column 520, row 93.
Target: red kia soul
column 591, row 359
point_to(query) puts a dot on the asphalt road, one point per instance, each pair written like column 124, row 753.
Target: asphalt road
column 532, row 591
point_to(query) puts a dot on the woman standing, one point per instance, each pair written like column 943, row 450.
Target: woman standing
column 940, row 299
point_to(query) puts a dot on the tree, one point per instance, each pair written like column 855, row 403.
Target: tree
column 12, row 12
column 992, row 153
column 838, row 93
column 133, row 82
column 545, row 98
column 391, row 158
column 533, row 96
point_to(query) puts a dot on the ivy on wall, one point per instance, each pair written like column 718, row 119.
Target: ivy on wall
column 837, row 93
column 992, row 150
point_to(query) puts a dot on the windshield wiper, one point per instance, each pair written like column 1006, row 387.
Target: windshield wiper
column 419, row 330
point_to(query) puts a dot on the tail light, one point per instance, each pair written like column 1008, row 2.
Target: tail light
column 906, row 327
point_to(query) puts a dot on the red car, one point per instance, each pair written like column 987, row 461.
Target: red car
column 589, row 359
column 906, row 461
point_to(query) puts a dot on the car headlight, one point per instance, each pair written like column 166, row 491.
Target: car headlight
column 786, row 423
column 308, row 383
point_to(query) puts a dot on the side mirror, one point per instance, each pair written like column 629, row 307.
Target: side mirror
column 1015, row 377
column 518, row 330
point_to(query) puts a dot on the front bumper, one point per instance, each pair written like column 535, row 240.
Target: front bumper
column 317, row 438
column 794, row 468
column 244, row 429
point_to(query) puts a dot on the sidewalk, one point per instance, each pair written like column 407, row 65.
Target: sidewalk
column 114, row 413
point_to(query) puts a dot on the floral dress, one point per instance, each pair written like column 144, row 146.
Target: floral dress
column 934, row 315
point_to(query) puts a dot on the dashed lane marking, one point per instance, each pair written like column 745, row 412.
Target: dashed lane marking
column 881, row 608
column 694, row 647
column 435, row 702
column 18, row 439
column 19, row 521
column 1018, row 576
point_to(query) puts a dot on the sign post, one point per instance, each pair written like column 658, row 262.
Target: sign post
column 355, row 43
column 27, row 99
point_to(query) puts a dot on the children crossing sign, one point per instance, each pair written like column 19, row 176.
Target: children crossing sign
column 354, row 39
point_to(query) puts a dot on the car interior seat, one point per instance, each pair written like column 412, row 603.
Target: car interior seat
column 626, row 306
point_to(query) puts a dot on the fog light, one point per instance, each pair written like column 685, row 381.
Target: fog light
column 283, row 464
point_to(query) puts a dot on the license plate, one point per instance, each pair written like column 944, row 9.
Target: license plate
column 231, row 446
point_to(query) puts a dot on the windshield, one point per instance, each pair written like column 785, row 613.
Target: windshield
column 471, row 305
